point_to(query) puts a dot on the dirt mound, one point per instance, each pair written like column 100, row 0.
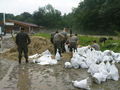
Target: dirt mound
column 38, row 45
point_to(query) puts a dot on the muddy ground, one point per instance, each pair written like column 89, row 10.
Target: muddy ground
column 36, row 77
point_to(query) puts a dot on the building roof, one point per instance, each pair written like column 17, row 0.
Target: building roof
column 22, row 23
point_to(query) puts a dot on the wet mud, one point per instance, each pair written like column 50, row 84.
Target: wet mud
column 36, row 77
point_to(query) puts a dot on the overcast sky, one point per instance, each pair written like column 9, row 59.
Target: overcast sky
column 17, row 7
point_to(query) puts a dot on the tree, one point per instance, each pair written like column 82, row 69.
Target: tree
column 26, row 17
column 98, row 16
column 47, row 16
column 7, row 16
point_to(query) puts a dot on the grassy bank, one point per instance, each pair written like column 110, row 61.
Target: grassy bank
column 113, row 45
column 46, row 35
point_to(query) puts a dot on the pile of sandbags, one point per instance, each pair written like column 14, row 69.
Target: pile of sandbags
column 45, row 58
column 101, row 65
column 84, row 57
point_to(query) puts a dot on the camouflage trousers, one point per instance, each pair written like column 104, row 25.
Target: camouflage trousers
column 73, row 46
column 57, row 45
column 23, row 49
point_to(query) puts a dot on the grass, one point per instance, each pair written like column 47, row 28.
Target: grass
column 113, row 45
column 86, row 40
column 46, row 35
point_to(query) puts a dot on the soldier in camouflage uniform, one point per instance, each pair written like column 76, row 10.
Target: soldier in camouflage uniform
column 52, row 36
column 64, row 33
column 73, row 40
column 95, row 45
column 57, row 42
column 22, row 41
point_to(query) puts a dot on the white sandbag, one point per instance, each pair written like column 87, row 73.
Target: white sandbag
column 83, row 65
column 82, row 50
column 53, row 61
column 89, row 61
column 103, row 69
column 57, row 56
column 74, row 62
column 107, row 53
column 102, row 66
column 108, row 66
column 99, row 77
column 68, row 65
column 117, row 59
column 107, row 58
column 33, row 56
column 34, row 60
column 66, row 48
column 43, row 63
column 44, row 58
column 81, row 84
column 94, row 68
column 47, row 52
column 114, row 72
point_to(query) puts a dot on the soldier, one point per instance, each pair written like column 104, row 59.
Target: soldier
column 102, row 40
column 57, row 42
column 22, row 41
column 95, row 45
column 52, row 36
column 1, row 41
column 73, row 40
column 64, row 33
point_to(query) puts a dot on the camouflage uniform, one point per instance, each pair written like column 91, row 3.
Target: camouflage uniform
column 57, row 42
column 96, row 46
column 63, row 41
column 52, row 36
column 73, row 43
column 22, row 41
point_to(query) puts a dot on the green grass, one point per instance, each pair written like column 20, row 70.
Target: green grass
column 113, row 45
column 46, row 35
column 86, row 40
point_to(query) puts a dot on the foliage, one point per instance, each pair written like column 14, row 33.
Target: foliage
column 26, row 17
column 113, row 45
column 100, row 16
column 47, row 16
column 7, row 16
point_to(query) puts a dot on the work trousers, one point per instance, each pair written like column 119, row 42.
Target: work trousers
column 57, row 45
column 73, row 46
column 63, row 45
column 23, row 49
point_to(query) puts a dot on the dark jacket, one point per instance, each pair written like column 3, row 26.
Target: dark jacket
column 22, row 39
